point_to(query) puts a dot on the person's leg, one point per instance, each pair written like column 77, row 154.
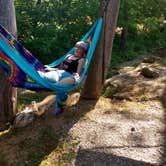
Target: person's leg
column 68, row 80
column 64, row 78
column 60, row 76
column 52, row 76
column 62, row 100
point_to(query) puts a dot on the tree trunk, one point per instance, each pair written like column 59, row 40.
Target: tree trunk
column 8, row 95
column 123, row 40
column 39, row 2
column 101, row 60
column 124, row 34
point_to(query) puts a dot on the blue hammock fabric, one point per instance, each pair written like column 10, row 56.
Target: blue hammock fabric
column 21, row 66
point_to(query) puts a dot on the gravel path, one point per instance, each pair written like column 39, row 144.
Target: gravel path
column 126, row 132
column 121, row 138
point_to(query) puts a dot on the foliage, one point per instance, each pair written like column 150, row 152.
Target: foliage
column 146, row 28
column 50, row 27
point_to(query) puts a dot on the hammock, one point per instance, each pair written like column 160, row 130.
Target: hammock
column 21, row 66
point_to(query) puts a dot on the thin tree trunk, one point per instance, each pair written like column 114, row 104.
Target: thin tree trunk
column 8, row 95
column 39, row 2
column 101, row 60
column 123, row 39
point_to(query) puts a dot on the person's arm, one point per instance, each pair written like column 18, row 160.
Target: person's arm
column 60, row 66
column 81, row 63
column 73, row 80
column 77, row 75
column 47, row 68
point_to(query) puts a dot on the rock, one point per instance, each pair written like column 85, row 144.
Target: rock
column 24, row 118
column 123, row 96
column 149, row 72
column 132, row 129
column 149, row 60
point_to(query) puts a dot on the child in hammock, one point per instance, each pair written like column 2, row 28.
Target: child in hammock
column 69, row 71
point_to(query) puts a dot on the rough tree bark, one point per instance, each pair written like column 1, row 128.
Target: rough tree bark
column 8, row 95
column 101, row 60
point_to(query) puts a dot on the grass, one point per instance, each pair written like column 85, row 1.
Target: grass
column 109, row 91
column 143, row 98
column 121, row 109
column 3, row 160
column 7, row 134
column 27, row 98
column 117, row 107
column 141, row 95
column 40, row 146
column 48, row 148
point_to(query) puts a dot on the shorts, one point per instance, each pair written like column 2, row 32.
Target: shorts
column 55, row 76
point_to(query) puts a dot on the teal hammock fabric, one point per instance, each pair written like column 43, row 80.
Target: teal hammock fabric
column 21, row 66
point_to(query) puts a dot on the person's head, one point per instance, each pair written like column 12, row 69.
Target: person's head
column 80, row 49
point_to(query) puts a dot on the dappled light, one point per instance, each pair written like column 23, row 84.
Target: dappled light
column 117, row 114
column 103, row 131
column 47, row 137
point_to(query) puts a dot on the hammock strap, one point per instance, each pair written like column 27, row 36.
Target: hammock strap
column 60, row 97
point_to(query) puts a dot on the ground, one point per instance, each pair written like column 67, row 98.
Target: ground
column 125, row 129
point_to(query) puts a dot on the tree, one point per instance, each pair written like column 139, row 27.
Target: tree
column 61, row 23
column 8, row 95
column 101, row 60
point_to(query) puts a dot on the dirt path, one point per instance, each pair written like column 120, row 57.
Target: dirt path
column 126, row 129
column 130, row 130
column 131, row 136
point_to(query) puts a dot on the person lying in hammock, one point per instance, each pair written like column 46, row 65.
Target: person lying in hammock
column 69, row 71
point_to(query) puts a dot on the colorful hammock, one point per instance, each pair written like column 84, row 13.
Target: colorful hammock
column 21, row 66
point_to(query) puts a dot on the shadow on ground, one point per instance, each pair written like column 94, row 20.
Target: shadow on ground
column 31, row 145
column 93, row 157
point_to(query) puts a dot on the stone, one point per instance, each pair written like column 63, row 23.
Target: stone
column 149, row 60
column 149, row 72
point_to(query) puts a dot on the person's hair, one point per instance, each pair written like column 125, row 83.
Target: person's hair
column 82, row 44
